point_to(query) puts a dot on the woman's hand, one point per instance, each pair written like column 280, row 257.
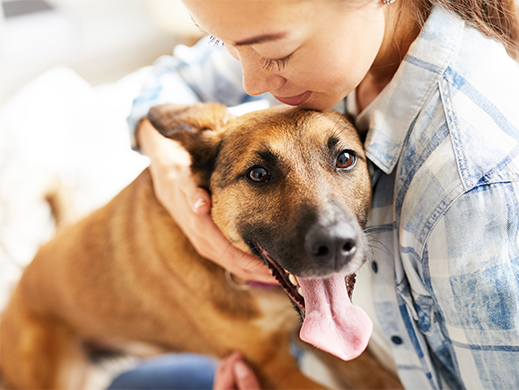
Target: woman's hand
column 189, row 205
column 233, row 373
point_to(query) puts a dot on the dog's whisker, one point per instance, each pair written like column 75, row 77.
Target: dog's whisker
column 378, row 245
column 254, row 264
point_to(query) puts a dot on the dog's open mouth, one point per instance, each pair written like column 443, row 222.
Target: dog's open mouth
column 330, row 321
column 290, row 283
column 287, row 281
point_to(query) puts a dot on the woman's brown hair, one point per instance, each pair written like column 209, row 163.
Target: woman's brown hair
column 496, row 18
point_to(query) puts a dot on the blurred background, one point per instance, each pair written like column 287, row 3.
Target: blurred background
column 101, row 40
column 69, row 71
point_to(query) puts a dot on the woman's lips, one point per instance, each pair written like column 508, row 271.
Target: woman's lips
column 295, row 100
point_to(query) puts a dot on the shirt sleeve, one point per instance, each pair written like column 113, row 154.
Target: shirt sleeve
column 202, row 73
column 472, row 267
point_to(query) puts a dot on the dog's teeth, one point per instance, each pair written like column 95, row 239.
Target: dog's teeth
column 300, row 291
column 292, row 279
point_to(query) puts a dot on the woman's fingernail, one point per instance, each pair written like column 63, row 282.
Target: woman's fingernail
column 199, row 203
column 241, row 370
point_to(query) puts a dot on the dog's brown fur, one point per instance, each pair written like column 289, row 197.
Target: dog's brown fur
column 128, row 273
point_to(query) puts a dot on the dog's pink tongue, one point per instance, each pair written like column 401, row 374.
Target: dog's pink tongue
column 331, row 322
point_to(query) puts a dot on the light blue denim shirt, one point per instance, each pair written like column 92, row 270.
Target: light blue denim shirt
column 443, row 140
column 443, row 143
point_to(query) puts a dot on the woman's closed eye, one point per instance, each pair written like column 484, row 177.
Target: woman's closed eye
column 279, row 64
column 266, row 63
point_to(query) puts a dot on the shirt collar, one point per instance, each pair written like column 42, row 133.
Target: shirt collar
column 405, row 95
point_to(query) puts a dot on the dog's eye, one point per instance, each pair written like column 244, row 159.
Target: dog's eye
column 258, row 174
column 346, row 160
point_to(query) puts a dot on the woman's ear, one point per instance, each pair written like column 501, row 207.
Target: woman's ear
column 197, row 128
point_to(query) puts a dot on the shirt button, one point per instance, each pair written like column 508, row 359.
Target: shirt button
column 374, row 266
column 397, row 340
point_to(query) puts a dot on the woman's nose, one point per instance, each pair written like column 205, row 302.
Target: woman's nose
column 256, row 79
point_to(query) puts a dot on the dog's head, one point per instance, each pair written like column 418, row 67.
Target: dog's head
column 289, row 182
column 290, row 185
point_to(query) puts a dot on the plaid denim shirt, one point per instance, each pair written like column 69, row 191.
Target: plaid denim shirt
column 443, row 141
column 443, row 145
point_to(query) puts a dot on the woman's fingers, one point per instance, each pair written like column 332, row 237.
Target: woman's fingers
column 233, row 373
column 190, row 207
column 211, row 243
column 224, row 378
column 245, row 377
column 208, row 240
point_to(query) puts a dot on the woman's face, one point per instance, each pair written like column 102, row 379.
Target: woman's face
column 305, row 53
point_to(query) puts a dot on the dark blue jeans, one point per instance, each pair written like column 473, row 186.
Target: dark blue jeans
column 178, row 371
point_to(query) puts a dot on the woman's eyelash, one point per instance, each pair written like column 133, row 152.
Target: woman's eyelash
column 267, row 64
column 278, row 65
column 213, row 41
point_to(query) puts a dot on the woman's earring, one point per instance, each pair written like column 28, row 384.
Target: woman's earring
column 387, row 2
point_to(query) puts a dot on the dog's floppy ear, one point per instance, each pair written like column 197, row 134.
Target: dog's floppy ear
column 171, row 119
column 196, row 127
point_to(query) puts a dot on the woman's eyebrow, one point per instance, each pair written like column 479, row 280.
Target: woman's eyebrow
column 261, row 39
column 251, row 41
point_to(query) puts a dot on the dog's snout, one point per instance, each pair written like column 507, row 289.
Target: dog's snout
column 331, row 246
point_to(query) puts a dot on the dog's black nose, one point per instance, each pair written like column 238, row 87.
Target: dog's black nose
column 331, row 246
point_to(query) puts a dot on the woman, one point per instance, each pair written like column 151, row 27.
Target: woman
column 434, row 89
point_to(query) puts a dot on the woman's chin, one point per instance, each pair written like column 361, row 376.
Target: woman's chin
column 316, row 105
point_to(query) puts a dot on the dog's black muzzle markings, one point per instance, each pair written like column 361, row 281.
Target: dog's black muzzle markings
column 331, row 246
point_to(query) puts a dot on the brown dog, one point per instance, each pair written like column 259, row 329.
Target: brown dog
column 290, row 185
